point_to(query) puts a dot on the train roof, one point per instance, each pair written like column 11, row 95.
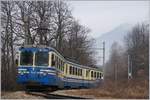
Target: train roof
column 47, row 49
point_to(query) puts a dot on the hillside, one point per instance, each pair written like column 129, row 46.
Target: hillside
column 115, row 35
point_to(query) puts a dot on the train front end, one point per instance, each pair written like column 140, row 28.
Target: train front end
column 34, row 67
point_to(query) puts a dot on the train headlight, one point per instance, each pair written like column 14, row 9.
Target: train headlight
column 22, row 71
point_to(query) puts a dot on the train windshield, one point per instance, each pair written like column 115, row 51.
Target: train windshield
column 41, row 59
column 26, row 58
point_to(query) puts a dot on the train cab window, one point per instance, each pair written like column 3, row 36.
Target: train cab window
column 41, row 58
column 26, row 58
column 91, row 73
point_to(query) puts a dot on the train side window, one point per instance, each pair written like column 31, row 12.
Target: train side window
column 76, row 71
column 87, row 73
column 60, row 64
column 53, row 60
column 63, row 66
column 97, row 74
column 100, row 75
column 70, row 68
column 73, row 70
column 56, row 61
column 91, row 73
column 94, row 74
column 81, row 72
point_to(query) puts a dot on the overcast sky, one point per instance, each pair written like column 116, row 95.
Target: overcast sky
column 103, row 16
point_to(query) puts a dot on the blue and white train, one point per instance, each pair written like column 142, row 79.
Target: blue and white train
column 45, row 66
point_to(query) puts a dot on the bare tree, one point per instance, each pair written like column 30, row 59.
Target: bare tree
column 62, row 18
column 137, row 44
column 24, row 18
column 44, row 21
column 116, row 67
column 8, row 65
column 78, row 44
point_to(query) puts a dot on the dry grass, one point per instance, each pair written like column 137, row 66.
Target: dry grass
column 133, row 89
column 19, row 95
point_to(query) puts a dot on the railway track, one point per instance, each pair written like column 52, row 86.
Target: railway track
column 54, row 96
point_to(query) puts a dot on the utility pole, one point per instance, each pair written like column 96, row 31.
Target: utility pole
column 104, row 58
column 129, row 68
column 103, row 53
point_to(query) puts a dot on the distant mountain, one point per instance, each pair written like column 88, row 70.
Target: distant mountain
column 116, row 35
